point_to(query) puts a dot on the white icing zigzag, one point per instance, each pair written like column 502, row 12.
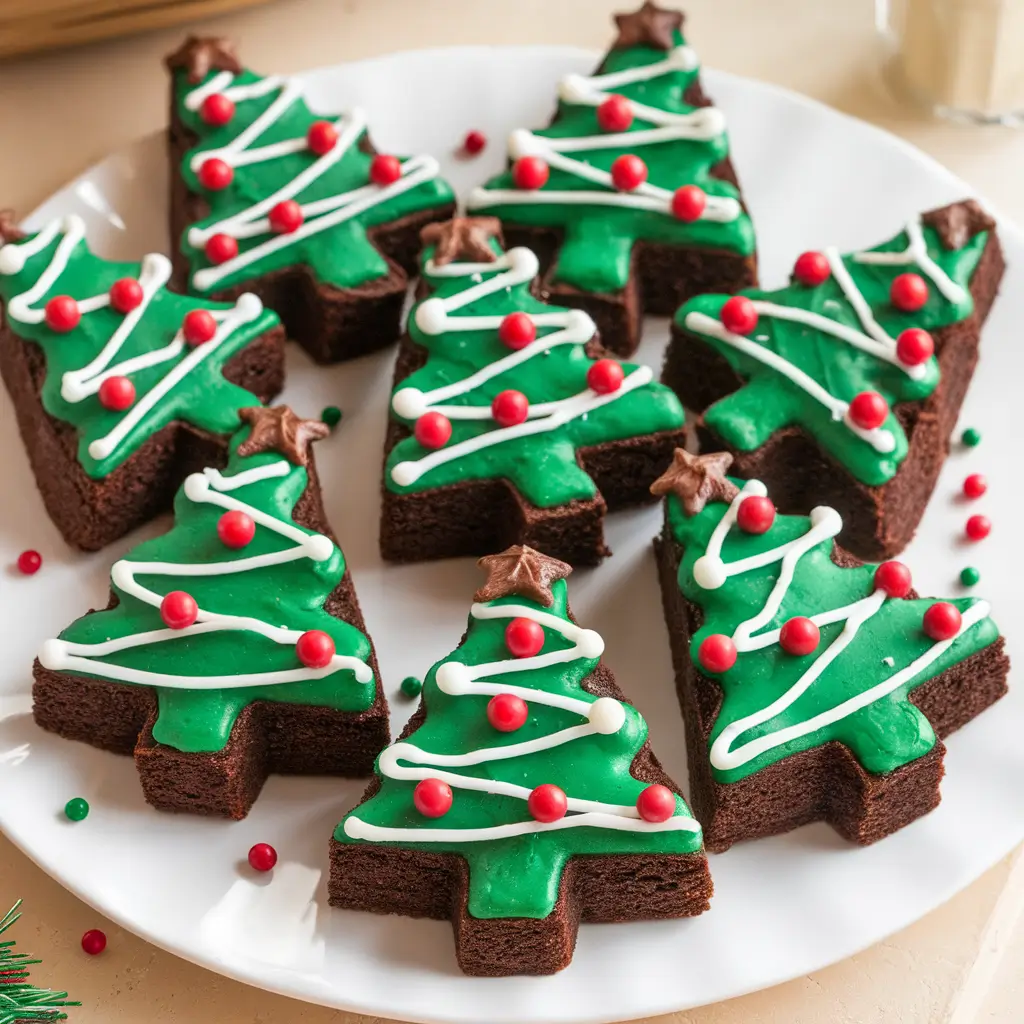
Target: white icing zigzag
column 77, row 385
column 705, row 123
column 208, row 487
column 710, row 573
column 605, row 715
column 319, row 215
column 432, row 316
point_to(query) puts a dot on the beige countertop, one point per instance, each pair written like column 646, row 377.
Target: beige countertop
column 66, row 110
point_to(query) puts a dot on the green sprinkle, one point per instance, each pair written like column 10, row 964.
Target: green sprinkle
column 331, row 416
column 971, row 437
column 969, row 576
column 411, row 686
column 76, row 809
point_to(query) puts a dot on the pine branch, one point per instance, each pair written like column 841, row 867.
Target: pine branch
column 19, row 999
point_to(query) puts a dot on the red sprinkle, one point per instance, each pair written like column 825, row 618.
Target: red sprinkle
column 474, row 142
column 94, row 942
column 29, row 562
column 262, row 857
column 975, row 486
column 978, row 527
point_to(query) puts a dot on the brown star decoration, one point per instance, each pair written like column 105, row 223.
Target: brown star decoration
column 521, row 571
column 199, row 55
column 9, row 230
column 697, row 479
column 649, row 26
column 462, row 239
column 280, row 430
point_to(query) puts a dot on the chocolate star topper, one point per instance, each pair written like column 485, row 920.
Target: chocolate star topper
column 199, row 55
column 697, row 479
column 521, row 571
column 462, row 239
column 649, row 26
column 9, row 230
column 280, row 430
column 958, row 223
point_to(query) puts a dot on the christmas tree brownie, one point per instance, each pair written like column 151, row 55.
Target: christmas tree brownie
column 814, row 686
column 121, row 387
column 506, row 426
column 629, row 196
column 260, row 665
column 298, row 207
column 844, row 387
column 523, row 796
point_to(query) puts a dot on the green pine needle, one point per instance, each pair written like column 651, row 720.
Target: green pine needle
column 20, row 1000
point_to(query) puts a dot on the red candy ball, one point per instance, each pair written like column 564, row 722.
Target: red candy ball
column 909, row 292
column 524, row 638
column 894, row 578
column 975, row 486
column 385, row 169
column 738, row 315
column 433, row 429
column 215, row 174
column 220, row 248
column 517, row 330
column 474, row 142
column 432, row 798
column 236, row 529
column 198, row 326
column 799, row 635
column 941, row 621
column 605, row 376
column 628, row 172
column 755, row 514
column 547, row 803
column 262, row 857
column 688, row 203
column 868, row 410
column 656, row 803
column 530, row 172
column 126, row 295
column 507, row 712
column 94, row 942
column 978, row 527
column 178, row 610
column 812, row 269
column 717, row 652
column 29, row 562
column 117, row 393
column 914, row 346
column 286, row 217
column 615, row 114
column 322, row 137
column 217, row 109
column 62, row 314
column 510, row 408
column 315, row 648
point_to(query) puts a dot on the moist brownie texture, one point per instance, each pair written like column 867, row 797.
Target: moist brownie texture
column 523, row 796
column 233, row 646
column 844, row 387
column 628, row 197
column 814, row 686
column 270, row 197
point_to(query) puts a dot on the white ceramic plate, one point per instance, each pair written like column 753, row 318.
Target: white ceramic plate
column 783, row 907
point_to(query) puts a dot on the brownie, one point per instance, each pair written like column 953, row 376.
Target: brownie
column 470, row 466
column 663, row 218
column 338, row 280
column 319, row 708
column 807, row 453
column 582, row 826
column 868, row 772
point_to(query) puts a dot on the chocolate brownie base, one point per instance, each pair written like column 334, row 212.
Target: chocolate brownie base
column 267, row 738
column 385, row 879
column 826, row 783
column 91, row 513
column 331, row 324
column 879, row 522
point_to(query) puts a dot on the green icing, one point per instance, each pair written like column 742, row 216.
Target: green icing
column 202, row 397
column 542, row 466
column 597, row 246
column 519, row 876
column 289, row 595
column 768, row 401
column 342, row 255
column 883, row 735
